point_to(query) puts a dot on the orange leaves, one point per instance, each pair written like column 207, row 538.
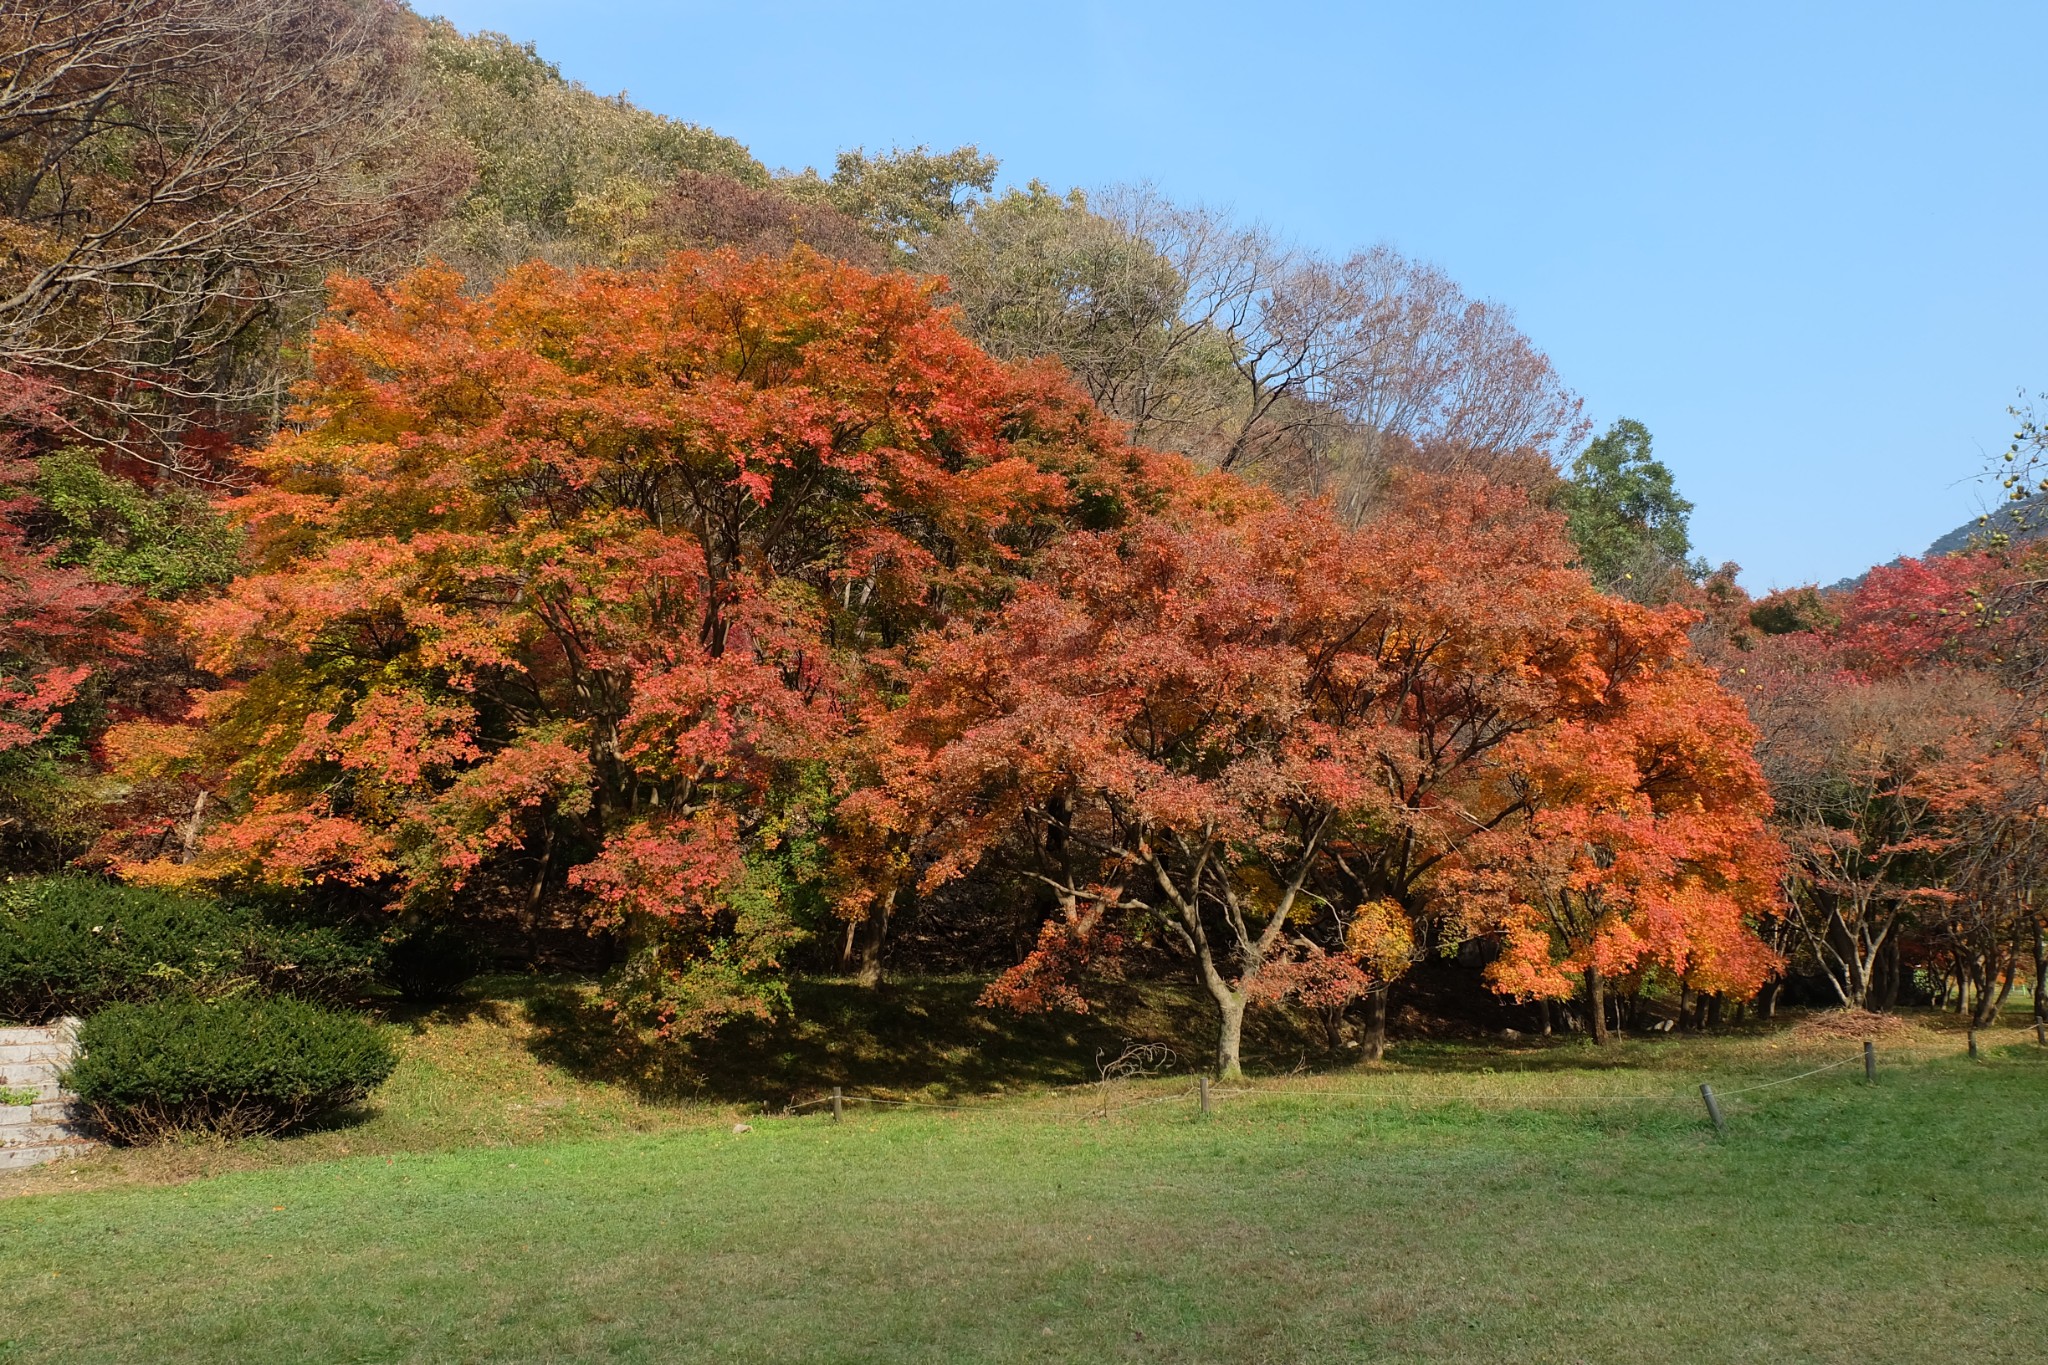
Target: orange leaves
column 1382, row 939
column 1644, row 840
column 1433, row 715
column 616, row 568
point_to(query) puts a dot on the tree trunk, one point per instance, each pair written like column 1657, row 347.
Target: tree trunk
column 1713, row 1004
column 871, row 941
column 1891, row 976
column 2040, row 976
column 529, row 913
column 1596, row 1004
column 1230, row 1039
column 1991, row 998
column 1375, row 1025
column 188, row 830
column 1333, row 1027
column 1767, row 999
column 1543, row 1013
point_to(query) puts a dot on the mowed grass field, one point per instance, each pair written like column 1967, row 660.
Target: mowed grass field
column 1468, row 1203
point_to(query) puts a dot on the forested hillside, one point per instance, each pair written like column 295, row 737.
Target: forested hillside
column 437, row 494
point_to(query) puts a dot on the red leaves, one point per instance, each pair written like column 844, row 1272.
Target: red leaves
column 56, row 624
column 1914, row 612
column 622, row 564
column 666, row 867
column 1432, row 709
column 31, row 707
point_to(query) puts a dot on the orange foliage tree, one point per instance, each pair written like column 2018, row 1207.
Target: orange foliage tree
column 573, row 598
column 1640, row 839
column 1277, row 744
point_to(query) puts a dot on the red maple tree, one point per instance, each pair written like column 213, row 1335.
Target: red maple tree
column 574, row 595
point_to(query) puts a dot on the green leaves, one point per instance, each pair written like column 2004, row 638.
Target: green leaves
column 1625, row 515
column 167, row 541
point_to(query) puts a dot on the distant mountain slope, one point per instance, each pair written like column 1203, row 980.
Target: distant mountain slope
column 2022, row 521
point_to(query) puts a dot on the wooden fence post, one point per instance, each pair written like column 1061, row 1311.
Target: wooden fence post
column 1202, row 1085
column 1973, row 1045
column 1870, row 1061
column 837, row 1109
column 1713, row 1109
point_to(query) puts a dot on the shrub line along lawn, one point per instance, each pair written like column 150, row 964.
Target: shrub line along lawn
column 1835, row 1222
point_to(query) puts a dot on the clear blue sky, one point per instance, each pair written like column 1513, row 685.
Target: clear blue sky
column 1803, row 243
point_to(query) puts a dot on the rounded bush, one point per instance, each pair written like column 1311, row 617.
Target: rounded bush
column 430, row 963
column 229, row 1068
column 71, row 944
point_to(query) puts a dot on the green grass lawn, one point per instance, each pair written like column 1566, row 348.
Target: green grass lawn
column 1836, row 1222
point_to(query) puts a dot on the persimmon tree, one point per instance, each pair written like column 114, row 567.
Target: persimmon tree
column 571, row 598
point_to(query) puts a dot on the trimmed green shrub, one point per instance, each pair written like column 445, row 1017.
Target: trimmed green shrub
column 70, row 944
column 226, row 1068
column 430, row 962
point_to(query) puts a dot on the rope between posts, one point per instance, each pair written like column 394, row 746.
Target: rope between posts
column 1787, row 1080
column 1455, row 1099
column 1683, row 1097
column 1323, row 1092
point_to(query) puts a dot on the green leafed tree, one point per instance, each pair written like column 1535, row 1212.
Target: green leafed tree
column 1625, row 515
column 168, row 541
column 1039, row 273
column 555, row 163
column 903, row 196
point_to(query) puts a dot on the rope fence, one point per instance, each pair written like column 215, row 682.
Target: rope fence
column 1204, row 1094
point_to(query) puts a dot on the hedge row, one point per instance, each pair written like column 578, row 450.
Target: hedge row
column 229, row 1068
column 72, row 944
column 69, row 945
column 204, row 1016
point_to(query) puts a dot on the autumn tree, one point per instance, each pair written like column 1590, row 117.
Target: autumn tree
column 569, row 599
column 1858, row 768
column 176, row 176
column 1282, row 745
column 1641, row 839
column 1141, row 713
column 1901, row 729
column 61, row 633
column 1990, row 926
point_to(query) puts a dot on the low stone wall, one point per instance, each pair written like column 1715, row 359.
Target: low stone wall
column 33, row 1059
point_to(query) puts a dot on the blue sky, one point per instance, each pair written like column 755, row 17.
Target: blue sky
column 1801, row 242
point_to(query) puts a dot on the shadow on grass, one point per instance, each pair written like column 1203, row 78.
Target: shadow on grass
column 926, row 1038
column 491, row 1001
